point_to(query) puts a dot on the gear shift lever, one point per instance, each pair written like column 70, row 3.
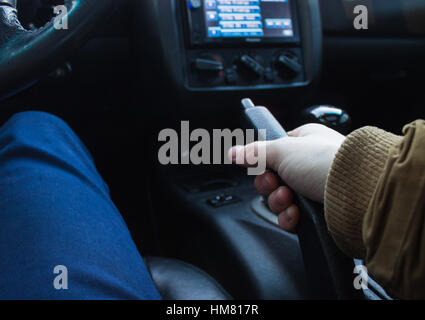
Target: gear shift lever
column 327, row 268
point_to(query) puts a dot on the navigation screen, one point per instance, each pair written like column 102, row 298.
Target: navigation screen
column 248, row 18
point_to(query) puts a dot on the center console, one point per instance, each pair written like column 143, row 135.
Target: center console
column 208, row 54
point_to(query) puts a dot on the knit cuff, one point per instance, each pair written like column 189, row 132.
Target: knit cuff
column 351, row 182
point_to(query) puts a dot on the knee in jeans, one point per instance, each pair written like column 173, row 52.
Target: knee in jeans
column 32, row 126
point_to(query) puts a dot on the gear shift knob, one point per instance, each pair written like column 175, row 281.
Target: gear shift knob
column 330, row 116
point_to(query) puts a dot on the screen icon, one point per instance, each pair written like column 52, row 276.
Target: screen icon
column 214, row 32
column 212, row 16
column 210, row 4
column 288, row 33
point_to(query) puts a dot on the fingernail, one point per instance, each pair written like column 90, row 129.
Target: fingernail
column 280, row 196
column 265, row 183
column 288, row 216
column 267, row 178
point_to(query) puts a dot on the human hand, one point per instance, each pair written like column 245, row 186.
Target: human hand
column 302, row 161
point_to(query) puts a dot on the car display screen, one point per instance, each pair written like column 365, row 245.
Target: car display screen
column 248, row 18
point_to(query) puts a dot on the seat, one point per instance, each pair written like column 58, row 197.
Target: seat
column 178, row 280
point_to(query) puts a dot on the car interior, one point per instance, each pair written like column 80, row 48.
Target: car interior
column 125, row 70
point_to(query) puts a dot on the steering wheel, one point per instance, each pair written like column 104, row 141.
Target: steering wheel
column 26, row 55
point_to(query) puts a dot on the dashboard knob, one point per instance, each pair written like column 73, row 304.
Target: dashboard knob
column 288, row 65
column 208, row 64
column 250, row 68
column 208, row 67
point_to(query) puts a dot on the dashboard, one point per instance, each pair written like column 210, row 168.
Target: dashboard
column 169, row 43
column 233, row 45
column 274, row 44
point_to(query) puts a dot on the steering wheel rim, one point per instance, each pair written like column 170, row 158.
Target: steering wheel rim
column 26, row 55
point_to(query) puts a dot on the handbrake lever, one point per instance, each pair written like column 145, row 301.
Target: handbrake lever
column 327, row 269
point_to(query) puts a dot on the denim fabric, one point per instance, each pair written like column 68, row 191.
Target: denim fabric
column 55, row 210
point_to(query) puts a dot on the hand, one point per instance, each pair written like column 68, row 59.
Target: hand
column 302, row 161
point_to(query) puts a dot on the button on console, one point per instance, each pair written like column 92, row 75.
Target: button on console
column 222, row 199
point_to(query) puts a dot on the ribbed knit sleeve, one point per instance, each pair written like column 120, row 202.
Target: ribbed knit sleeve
column 351, row 183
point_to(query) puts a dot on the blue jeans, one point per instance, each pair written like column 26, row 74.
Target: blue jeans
column 55, row 210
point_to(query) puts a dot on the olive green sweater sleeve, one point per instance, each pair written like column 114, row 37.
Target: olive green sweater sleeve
column 375, row 205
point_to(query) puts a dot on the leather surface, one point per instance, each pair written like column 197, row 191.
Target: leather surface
column 178, row 280
column 25, row 55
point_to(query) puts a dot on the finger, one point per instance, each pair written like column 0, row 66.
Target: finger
column 289, row 219
column 233, row 153
column 280, row 199
column 249, row 155
column 266, row 183
column 268, row 152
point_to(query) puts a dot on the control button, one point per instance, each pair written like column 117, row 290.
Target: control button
column 278, row 23
column 288, row 33
column 288, row 65
column 194, row 4
column 211, row 4
column 212, row 16
column 231, row 76
column 222, row 199
column 229, row 198
column 214, row 32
